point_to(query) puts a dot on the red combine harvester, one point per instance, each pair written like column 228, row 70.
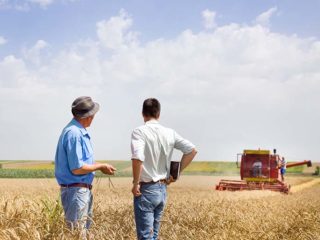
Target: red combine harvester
column 259, row 170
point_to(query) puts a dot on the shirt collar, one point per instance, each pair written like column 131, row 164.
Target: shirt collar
column 81, row 128
column 152, row 121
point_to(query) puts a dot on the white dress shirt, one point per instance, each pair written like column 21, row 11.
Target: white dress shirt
column 153, row 144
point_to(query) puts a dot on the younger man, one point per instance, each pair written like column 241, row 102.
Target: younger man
column 152, row 146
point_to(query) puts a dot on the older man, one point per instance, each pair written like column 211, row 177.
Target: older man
column 75, row 166
column 152, row 147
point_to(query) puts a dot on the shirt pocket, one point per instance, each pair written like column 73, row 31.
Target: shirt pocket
column 87, row 150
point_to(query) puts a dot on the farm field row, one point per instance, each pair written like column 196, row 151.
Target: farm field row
column 44, row 169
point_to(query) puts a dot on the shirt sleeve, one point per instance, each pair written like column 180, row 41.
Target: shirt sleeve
column 182, row 144
column 137, row 145
column 74, row 152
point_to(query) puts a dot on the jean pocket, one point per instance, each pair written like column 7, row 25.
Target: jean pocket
column 146, row 203
column 82, row 196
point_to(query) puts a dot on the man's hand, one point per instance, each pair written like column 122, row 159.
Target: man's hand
column 108, row 169
column 170, row 180
column 136, row 190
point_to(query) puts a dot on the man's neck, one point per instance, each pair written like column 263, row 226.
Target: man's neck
column 147, row 119
column 81, row 121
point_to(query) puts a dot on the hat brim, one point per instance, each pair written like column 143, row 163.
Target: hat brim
column 91, row 112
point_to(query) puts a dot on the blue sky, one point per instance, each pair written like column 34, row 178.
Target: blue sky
column 62, row 23
column 229, row 74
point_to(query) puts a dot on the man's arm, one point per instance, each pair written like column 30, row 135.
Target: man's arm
column 74, row 151
column 86, row 168
column 136, row 172
column 187, row 148
column 137, row 150
column 279, row 162
column 187, row 159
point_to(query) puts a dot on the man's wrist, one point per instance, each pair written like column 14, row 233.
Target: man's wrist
column 99, row 166
column 135, row 182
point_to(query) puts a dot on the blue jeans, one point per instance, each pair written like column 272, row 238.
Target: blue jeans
column 148, row 209
column 77, row 206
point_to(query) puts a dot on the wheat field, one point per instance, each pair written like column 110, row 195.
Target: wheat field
column 30, row 209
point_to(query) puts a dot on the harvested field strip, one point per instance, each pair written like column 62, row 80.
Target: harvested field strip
column 302, row 186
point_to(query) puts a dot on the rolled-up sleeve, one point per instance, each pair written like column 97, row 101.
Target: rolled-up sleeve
column 182, row 144
column 74, row 152
column 137, row 145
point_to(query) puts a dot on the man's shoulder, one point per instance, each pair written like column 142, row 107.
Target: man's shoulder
column 72, row 131
column 167, row 130
column 146, row 127
column 139, row 128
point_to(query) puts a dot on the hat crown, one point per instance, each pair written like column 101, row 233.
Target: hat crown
column 84, row 106
column 82, row 103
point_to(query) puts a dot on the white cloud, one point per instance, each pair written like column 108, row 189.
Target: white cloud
column 34, row 54
column 237, row 87
column 42, row 3
column 27, row 5
column 40, row 44
column 78, row 67
column 264, row 18
column 3, row 3
column 114, row 34
column 22, row 6
column 2, row 40
column 209, row 19
column 14, row 73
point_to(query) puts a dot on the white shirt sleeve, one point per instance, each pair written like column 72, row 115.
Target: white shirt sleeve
column 182, row 144
column 137, row 145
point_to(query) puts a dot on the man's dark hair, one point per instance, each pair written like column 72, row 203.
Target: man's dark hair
column 151, row 108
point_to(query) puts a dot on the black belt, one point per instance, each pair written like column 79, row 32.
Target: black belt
column 83, row 185
column 164, row 181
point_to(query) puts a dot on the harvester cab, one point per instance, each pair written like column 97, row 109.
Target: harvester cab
column 259, row 170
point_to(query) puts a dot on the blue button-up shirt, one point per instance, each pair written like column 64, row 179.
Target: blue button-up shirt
column 73, row 151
